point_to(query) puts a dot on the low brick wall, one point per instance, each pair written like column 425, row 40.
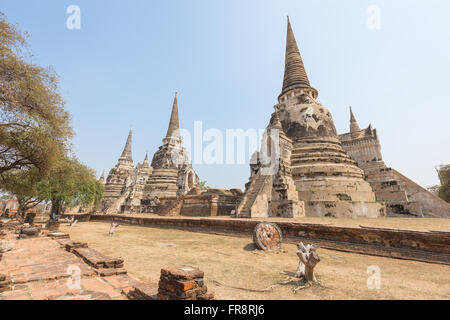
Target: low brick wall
column 431, row 246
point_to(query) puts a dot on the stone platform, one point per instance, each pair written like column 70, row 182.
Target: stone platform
column 45, row 268
column 427, row 246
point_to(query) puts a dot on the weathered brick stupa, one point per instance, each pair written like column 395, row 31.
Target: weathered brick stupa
column 120, row 177
column 327, row 180
column 172, row 175
column 403, row 197
column 135, row 189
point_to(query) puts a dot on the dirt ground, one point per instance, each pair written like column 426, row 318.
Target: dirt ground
column 234, row 269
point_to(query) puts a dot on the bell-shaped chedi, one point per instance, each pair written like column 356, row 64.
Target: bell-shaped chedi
column 327, row 179
column 171, row 167
column 171, row 155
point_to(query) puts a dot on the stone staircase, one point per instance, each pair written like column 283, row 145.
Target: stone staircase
column 115, row 207
column 244, row 208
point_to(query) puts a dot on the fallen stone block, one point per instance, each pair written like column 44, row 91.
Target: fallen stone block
column 58, row 235
column 29, row 232
column 69, row 245
column 110, row 271
column 6, row 246
column 142, row 291
column 96, row 259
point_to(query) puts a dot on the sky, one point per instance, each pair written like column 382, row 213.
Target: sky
column 226, row 60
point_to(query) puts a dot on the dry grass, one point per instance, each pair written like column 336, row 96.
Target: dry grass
column 243, row 271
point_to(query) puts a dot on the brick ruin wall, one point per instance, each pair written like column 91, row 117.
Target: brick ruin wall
column 403, row 196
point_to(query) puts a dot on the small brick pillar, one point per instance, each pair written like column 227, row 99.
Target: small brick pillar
column 183, row 283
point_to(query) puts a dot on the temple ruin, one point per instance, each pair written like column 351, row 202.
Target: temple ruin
column 402, row 196
column 142, row 188
column 304, row 168
column 315, row 176
column 168, row 186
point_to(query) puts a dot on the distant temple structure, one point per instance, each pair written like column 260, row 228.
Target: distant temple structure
column 167, row 186
column 138, row 189
column 402, row 196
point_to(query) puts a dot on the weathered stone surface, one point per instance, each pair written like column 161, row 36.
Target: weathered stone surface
column 6, row 246
column 182, row 273
column 403, row 197
column 312, row 165
column 271, row 191
column 96, row 259
column 182, row 283
column 267, row 236
column 58, row 235
column 143, row 291
column 40, row 269
column 139, row 189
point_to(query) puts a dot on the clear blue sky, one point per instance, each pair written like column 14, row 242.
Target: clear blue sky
column 226, row 59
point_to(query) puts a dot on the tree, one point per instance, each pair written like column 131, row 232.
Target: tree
column 23, row 185
column 203, row 185
column 444, row 177
column 70, row 184
column 34, row 126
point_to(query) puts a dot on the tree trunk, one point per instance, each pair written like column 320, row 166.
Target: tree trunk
column 308, row 260
column 56, row 210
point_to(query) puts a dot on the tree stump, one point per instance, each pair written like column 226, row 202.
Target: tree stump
column 267, row 236
column 308, row 260
column 113, row 228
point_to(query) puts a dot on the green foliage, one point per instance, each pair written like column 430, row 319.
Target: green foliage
column 23, row 185
column 70, row 184
column 203, row 185
column 444, row 192
column 34, row 126
column 35, row 129
column 444, row 176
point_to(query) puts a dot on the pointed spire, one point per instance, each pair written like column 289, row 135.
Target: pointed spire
column 294, row 71
column 174, row 124
column 354, row 127
column 127, row 153
column 145, row 163
column 102, row 177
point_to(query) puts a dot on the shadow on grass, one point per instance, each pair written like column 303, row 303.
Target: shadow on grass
column 250, row 247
